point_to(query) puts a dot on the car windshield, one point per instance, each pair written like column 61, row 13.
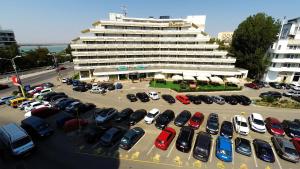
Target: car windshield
column 21, row 142
column 43, row 126
column 38, row 104
column 227, row 128
column 213, row 124
column 290, row 151
column 266, row 151
column 150, row 115
column 276, row 126
column 244, row 124
column 225, row 152
column 160, row 141
column 125, row 140
column 295, row 127
column 259, row 122
column 202, row 150
column 196, row 119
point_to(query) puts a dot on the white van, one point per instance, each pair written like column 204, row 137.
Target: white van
column 16, row 139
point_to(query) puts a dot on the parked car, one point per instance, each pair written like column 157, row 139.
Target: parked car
column 48, row 85
column 97, row 90
column 168, row 98
column 230, row 100
column 48, row 96
column 111, row 136
column 131, row 97
column 274, row 94
column 275, row 85
column 62, row 118
column 296, row 98
column 202, row 147
column 123, row 115
column 285, row 149
column 260, row 84
column 36, row 127
column 151, row 116
column 226, row 129
column 263, row 150
column 153, row 95
column 80, row 88
column 56, row 97
column 24, row 104
column 42, row 112
column 252, row 85
column 4, row 99
column 274, row 126
column 118, row 85
column 182, row 118
column 79, row 108
column 93, row 134
column 137, row 116
column 241, row 99
column 243, row 146
column 291, row 93
column 291, row 128
column 131, row 137
column 164, row 119
column 257, row 123
column 194, row 99
column 218, row 99
column 224, row 149
column 206, row 99
column 184, row 139
column 196, row 120
column 62, row 105
column 212, row 125
column 296, row 142
column 43, row 92
column 105, row 115
column 240, row 125
column 165, row 138
column 143, row 97
column 36, row 105
column 74, row 124
column 183, row 99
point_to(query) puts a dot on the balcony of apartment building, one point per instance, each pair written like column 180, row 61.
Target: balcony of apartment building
column 285, row 67
column 149, row 39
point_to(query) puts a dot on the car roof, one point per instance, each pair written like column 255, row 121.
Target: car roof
column 153, row 111
column 33, row 120
column 257, row 116
column 274, row 120
column 285, row 142
column 240, row 118
column 225, row 143
column 164, row 135
column 15, row 132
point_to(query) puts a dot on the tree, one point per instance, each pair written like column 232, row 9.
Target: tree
column 8, row 52
column 221, row 44
column 251, row 41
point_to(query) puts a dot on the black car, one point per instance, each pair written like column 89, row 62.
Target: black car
column 111, row 87
column 274, row 94
column 56, row 97
column 243, row 146
column 137, row 116
column 241, row 99
column 80, row 108
column 80, row 88
column 291, row 128
column 93, row 134
column 49, row 96
column 212, row 125
column 111, row 136
column 263, row 150
column 296, row 98
column 206, row 99
column 297, row 121
column 230, row 100
column 182, row 118
column 164, row 119
column 36, row 127
column 285, row 86
column 202, row 147
column 259, row 83
column 69, row 81
column 184, row 139
column 48, row 85
column 143, row 97
column 131, row 137
column 64, row 103
column 275, row 85
column 123, row 115
column 88, row 86
column 226, row 129
column 62, row 118
column 194, row 99
column 168, row 98
column 131, row 97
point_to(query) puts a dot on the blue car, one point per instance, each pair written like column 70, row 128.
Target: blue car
column 4, row 99
column 7, row 101
column 224, row 149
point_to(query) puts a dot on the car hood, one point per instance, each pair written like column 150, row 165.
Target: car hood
column 260, row 127
column 148, row 118
column 277, row 131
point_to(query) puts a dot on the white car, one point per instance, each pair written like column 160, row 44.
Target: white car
column 240, row 124
column 24, row 104
column 28, row 114
column 43, row 92
column 151, row 116
column 97, row 90
column 64, row 80
column 153, row 95
column 35, row 105
column 257, row 122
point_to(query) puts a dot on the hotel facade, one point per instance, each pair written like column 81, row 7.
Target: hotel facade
column 285, row 55
column 125, row 48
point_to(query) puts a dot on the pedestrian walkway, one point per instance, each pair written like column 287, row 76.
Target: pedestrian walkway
column 7, row 79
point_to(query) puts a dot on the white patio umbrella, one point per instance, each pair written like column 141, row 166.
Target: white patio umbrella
column 188, row 77
column 202, row 78
column 159, row 76
column 233, row 80
column 216, row 79
column 177, row 77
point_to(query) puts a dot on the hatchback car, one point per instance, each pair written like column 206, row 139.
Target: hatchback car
column 137, row 116
column 164, row 119
column 224, row 149
column 151, row 116
column 257, row 123
column 183, row 99
column 131, row 97
column 111, row 136
column 274, row 126
column 218, row 99
column 226, row 129
column 168, row 98
column 105, row 115
column 143, row 97
column 240, row 124
column 206, row 99
column 184, row 139
column 202, row 147
column 131, row 137
column 212, row 125
column 243, row 146
column 182, row 118
column 123, row 115
column 36, row 127
column 194, row 99
column 285, row 149
column 153, row 95
column 263, row 150
column 196, row 120
column 291, row 128
column 165, row 138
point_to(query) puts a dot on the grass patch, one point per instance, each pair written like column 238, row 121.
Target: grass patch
column 284, row 103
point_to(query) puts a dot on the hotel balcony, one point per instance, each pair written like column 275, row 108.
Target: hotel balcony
column 286, row 60
column 284, row 69
column 145, row 39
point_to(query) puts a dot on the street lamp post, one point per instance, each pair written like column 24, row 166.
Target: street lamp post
column 16, row 71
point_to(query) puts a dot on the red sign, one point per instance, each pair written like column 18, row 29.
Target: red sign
column 15, row 80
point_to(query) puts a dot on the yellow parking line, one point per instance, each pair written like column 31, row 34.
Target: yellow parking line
column 220, row 165
column 156, row 158
column 243, row 166
column 135, row 155
column 178, row 161
column 197, row 164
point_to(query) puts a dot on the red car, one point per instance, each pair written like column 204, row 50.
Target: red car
column 196, row 120
column 165, row 138
column 251, row 85
column 274, row 126
column 183, row 99
column 44, row 112
column 73, row 124
column 296, row 142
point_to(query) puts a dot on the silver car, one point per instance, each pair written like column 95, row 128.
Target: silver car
column 218, row 99
column 285, row 149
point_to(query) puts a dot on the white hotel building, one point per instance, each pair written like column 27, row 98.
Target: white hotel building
column 124, row 47
column 285, row 55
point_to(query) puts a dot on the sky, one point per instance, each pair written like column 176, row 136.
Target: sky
column 60, row 21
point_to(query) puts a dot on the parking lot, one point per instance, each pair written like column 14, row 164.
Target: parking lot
column 144, row 152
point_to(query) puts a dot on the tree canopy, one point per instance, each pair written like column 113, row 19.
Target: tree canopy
column 251, row 41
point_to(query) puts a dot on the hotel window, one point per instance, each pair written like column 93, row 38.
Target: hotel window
column 279, row 47
column 274, row 65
